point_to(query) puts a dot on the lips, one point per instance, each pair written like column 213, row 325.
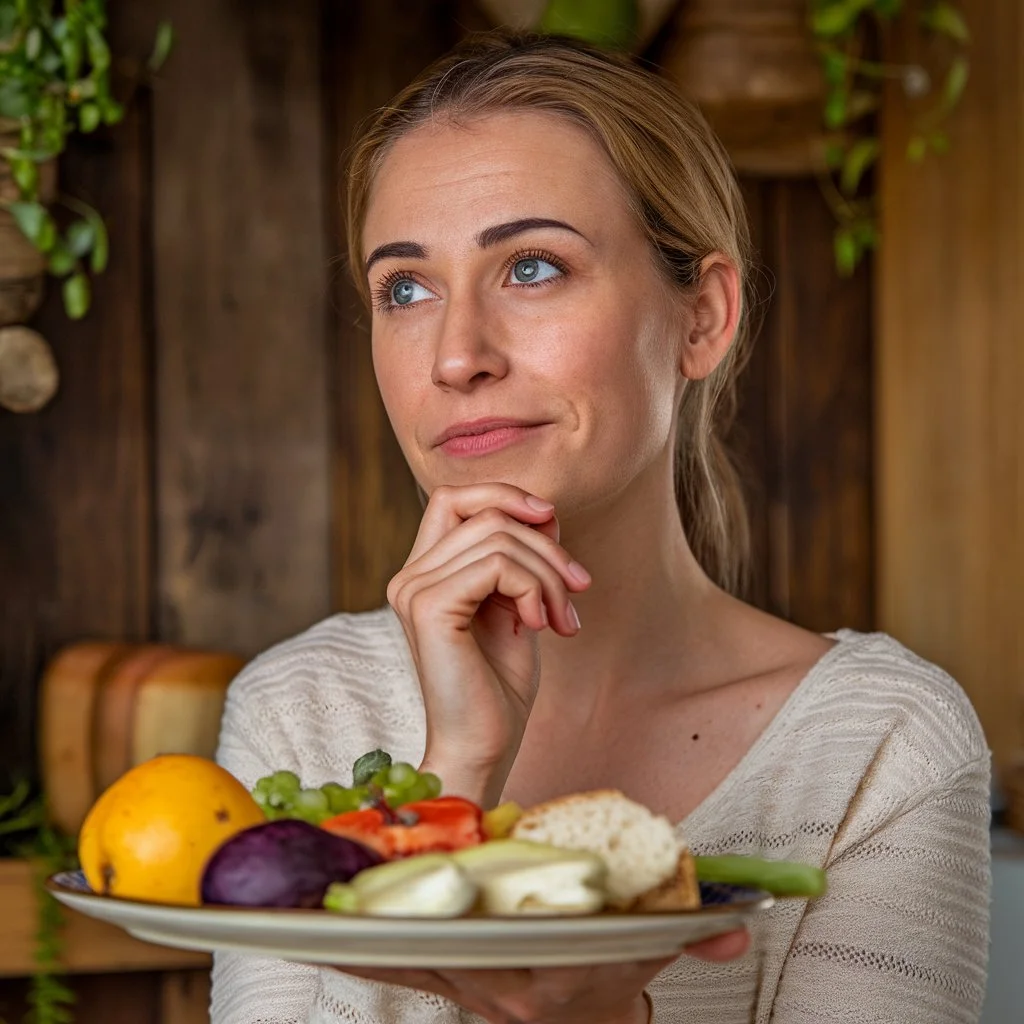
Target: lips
column 477, row 427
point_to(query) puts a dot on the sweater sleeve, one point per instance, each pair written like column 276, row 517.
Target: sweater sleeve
column 902, row 933
column 248, row 989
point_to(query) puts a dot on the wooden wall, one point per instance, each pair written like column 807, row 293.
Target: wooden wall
column 950, row 376
column 217, row 469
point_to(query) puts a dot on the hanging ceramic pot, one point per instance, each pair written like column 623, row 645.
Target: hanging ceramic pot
column 753, row 68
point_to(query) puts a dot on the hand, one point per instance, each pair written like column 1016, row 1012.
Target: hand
column 485, row 575
column 602, row 994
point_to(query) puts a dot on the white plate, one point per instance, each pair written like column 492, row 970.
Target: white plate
column 318, row 936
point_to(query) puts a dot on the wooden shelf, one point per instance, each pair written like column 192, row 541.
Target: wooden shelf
column 90, row 946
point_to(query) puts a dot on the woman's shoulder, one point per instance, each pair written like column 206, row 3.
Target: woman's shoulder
column 347, row 650
column 872, row 678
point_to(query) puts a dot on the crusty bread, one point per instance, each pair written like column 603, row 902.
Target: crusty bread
column 649, row 868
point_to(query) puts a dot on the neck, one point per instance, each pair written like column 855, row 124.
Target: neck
column 642, row 616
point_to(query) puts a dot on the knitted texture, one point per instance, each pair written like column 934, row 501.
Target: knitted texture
column 875, row 768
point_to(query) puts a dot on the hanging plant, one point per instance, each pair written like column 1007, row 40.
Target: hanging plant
column 854, row 86
column 55, row 64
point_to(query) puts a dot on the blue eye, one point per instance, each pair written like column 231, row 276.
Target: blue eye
column 532, row 269
column 405, row 292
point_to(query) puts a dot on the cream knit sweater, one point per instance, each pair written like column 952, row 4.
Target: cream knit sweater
column 875, row 768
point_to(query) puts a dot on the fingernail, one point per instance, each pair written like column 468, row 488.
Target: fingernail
column 574, row 619
column 578, row 573
column 539, row 503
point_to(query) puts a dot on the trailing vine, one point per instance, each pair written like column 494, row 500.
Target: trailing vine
column 25, row 832
column 844, row 30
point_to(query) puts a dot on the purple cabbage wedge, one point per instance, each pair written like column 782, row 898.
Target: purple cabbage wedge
column 283, row 863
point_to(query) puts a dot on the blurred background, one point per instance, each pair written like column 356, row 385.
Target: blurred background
column 194, row 463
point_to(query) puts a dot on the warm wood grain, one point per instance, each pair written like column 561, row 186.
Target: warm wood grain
column 89, row 945
column 379, row 48
column 805, row 417
column 75, row 553
column 185, row 997
column 241, row 271
column 950, row 374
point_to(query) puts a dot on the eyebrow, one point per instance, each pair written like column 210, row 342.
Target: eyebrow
column 488, row 237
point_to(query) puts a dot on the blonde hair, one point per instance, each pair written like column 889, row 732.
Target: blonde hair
column 684, row 195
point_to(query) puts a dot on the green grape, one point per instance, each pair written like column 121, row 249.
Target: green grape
column 419, row 790
column 380, row 778
column 402, row 775
column 368, row 765
column 361, row 795
column 285, row 783
column 339, row 798
column 433, row 784
column 393, row 797
column 311, row 805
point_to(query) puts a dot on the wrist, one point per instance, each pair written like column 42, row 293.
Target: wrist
column 483, row 784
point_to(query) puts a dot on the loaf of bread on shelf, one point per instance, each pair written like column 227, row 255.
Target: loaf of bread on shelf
column 649, row 866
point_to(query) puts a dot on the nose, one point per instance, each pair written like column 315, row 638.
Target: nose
column 468, row 351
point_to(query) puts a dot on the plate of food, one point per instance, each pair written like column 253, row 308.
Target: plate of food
column 388, row 872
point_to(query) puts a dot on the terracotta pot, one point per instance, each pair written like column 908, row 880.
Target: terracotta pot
column 753, row 68
column 22, row 265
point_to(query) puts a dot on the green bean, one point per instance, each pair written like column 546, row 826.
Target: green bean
column 779, row 877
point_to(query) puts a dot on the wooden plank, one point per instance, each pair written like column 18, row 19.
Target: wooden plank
column 241, row 290
column 90, row 946
column 805, row 417
column 185, row 997
column 75, row 478
column 818, row 334
column 376, row 50
column 950, row 373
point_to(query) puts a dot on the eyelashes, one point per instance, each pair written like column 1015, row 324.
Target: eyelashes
column 383, row 302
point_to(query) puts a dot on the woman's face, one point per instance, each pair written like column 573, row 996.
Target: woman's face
column 521, row 332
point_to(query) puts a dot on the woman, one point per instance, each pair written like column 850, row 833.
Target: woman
column 555, row 253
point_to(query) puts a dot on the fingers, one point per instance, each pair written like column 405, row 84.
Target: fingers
column 451, row 580
column 449, row 506
column 721, row 947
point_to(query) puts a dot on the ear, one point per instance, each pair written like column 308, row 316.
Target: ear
column 714, row 317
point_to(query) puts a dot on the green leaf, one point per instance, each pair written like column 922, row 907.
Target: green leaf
column 834, row 63
column 47, row 235
column 917, row 147
column 113, row 112
column 99, row 51
column 76, row 296
column 33, row 42
column 62, row 260
column 956, row 82
column 862, row 154
column 162, row 45
column 836, row 18
column 100, row 246
column 89, row 116
column 611, row 23
column 71, row 52
column 945, row 19
column 835, row 153
column 888, row 8
column 81, row 235
column 835, row 109
column 865, row 234
column 26, row 176
column 845, row 245
column 30, row 217
column 15, row 101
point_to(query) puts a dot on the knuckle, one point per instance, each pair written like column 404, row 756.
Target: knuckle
column 443, row 494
